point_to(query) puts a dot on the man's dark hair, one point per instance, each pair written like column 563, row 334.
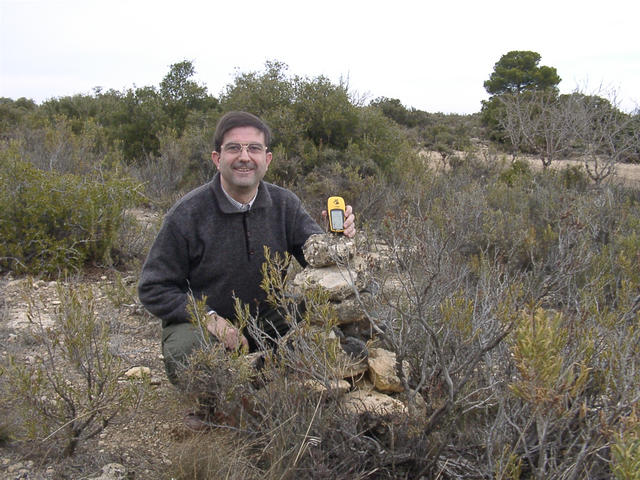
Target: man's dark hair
column 239, row 119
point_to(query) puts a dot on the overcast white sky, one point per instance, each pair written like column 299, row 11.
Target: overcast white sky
column 433, row 56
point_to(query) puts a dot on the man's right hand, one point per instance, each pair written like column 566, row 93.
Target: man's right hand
column 229, row 335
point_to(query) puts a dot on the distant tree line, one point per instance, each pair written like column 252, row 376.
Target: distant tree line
column 317, row 124
column 526, row 113
column 325, row 136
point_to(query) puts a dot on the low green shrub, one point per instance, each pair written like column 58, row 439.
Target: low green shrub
column 575, row 177
column 626, row 449
column 54, row 223
column 519, row 169
column 285, row 418
column 351, row 182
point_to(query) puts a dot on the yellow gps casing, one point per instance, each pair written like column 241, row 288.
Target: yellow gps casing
column 335, row 214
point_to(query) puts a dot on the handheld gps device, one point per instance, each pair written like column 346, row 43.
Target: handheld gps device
column 335, row 214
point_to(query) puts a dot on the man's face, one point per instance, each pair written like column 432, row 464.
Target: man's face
column 242, row 171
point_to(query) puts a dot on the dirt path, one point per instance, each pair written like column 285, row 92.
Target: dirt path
column 625, row 173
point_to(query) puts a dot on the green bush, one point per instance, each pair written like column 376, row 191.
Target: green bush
column 336, row 177
column 380, row 139
column 518, row 171
column 575, row 177
column 53, row 223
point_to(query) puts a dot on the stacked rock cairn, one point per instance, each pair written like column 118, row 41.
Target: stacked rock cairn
column 368, row 381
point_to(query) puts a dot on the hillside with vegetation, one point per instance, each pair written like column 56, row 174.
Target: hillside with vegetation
column 510, row 298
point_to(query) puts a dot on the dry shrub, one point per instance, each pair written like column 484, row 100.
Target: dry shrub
column 134, row 238
column 280, row 420
column 71, row 389
column 292, row 431
column 224, row 454
column 182, row 163
column 515, row 305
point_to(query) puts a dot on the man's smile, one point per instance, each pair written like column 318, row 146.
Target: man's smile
column 244, row 167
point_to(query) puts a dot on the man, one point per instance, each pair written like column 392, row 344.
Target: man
column 211, row 244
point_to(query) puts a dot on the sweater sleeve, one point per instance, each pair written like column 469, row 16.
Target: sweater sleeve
column 163, row 286
column 304, row 227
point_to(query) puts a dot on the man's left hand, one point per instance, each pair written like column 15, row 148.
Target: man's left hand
column 349, row 223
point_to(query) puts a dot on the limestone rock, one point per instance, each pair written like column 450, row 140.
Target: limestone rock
column 138, row 372
column 350, row 310
column 325, row 249
column 363, row 383
column 374, row 261
column 415, row 404
column 19, row 320
column 338, row 387
column 113, row 471
column 349, row 367
column 338, row 282
column 382, row 370
column 360, row 329
column 371, row 401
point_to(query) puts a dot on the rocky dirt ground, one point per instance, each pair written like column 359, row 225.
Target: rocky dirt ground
column 142, row 441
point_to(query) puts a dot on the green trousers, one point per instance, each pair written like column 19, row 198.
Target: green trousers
column 181, row 339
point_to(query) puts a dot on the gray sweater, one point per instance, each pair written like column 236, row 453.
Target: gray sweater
column 205, row 246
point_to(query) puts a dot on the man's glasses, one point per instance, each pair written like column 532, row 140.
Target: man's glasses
column 236, row 148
